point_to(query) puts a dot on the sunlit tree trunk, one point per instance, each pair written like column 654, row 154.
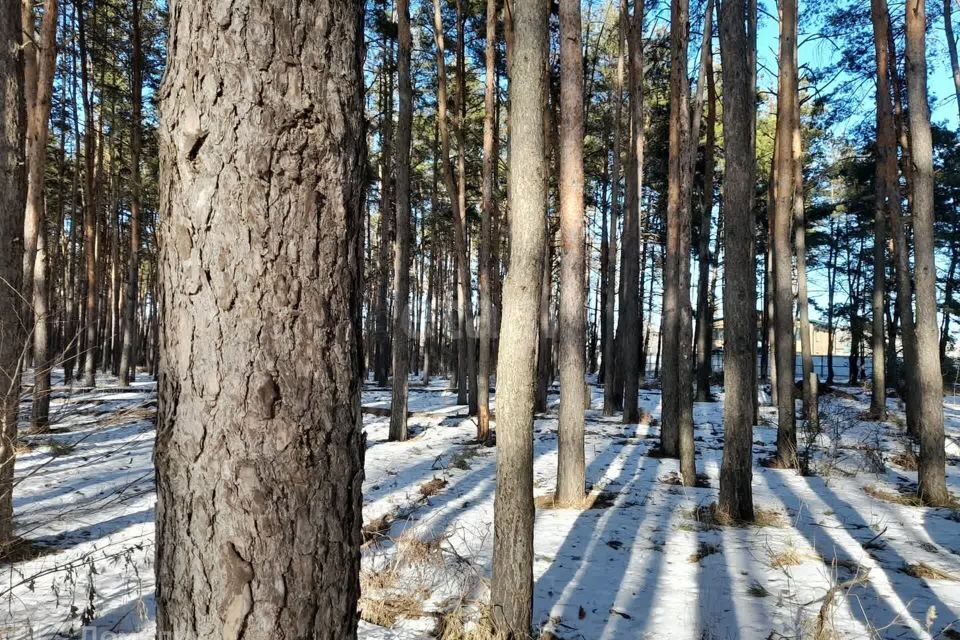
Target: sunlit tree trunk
column 932, row 482
column 401, row 253
column 571, row 477
column 259, row 447
column 511, row 588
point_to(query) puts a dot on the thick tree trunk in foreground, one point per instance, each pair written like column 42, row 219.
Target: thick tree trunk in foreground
column 128, row 357
column 782, row 248
column 571, row 478
column 739, row 288
column 259, row 448
column 401, row 253
column 484, row 266
column 13, row 194
column 511, row 589
column 932, row 482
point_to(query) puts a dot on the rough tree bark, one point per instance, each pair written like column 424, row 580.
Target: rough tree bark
column 259, row 448
column 489, row 204
column 35, row 282
column 571, row 478
column 932, row 482
column 630, row 273
column 13, row 195
column 128, row 357
column 612, row 392
column 704, row 330
column 782, row 249
column 511, row 589
column 401, row 252
column 739, row 288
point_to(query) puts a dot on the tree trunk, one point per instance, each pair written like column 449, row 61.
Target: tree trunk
column 401, row 253
column 89, row 350
column 387, row 215
column 484, row 264
column 464, row 305
column 810, row 408
column 511, row 589
column 890, row 182
column 932, row 482
column 784, row 182
column 952, row 46
column 571, row 478
column 612, row 392
column 948, row 289
column 739, row 287
column 629, row 347
column 128, row 357
column 259, row 448
column 704, row 317
column 13, row 200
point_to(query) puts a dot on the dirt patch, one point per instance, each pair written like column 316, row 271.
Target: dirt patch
column 593, row 500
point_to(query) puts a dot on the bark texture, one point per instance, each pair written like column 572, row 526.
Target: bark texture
column 13, row 193
column 571, row 478
column 401, row 253
column 739, row 288
column 259, row 447
column 932, row 482
column 511, row 589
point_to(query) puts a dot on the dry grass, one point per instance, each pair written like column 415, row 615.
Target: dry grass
column 432, row 487
column 455, row 624
column 415, row 550
column 593, row 500
column 757, row 590
column 710, row 518
column 907, row 460
column 377, row 529
column 924, row 571
column 789, row 557
column 907, row 499
column 703, row 550
column 387, row 609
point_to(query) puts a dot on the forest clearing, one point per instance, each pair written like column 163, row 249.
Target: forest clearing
column 479, row 319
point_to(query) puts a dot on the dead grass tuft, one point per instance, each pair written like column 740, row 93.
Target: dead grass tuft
column 384, row 611
column 673, row 478
column 377, row 529
column 789, row 557
column 432, row 487
column 455, row 625
column 757, row 590
column 907, row 460
column 924, row 571
column 709, row 517
column 908, row 499
column 593, row 500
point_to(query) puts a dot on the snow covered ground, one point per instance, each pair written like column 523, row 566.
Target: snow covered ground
column 643, row 563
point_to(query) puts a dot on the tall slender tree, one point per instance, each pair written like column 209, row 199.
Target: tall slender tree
column 484, row 267
column 784, row 193
column 128, row 357
column 511, row 589
column 401, row 253
column 259, row 449
column 932, row 481
column 740, row 277
column 571, row 477
column 13, row 196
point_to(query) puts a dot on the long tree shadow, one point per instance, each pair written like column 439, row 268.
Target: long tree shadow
column 95, row 530
column 583, row 585
column 905, row 606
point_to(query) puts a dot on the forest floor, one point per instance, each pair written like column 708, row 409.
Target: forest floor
column 843, row 551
